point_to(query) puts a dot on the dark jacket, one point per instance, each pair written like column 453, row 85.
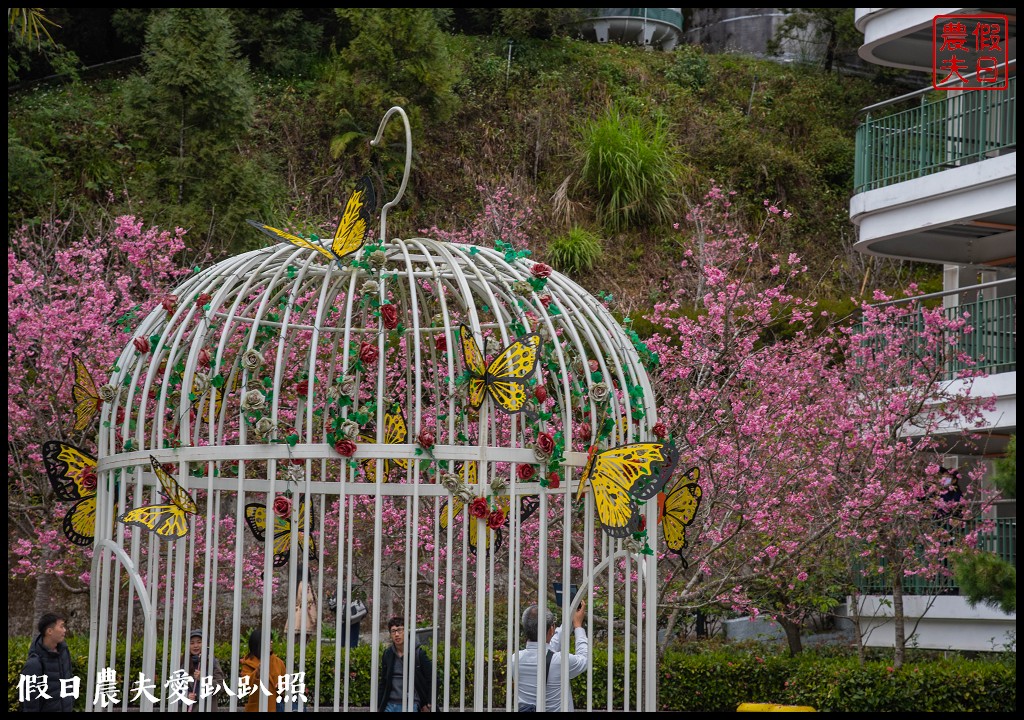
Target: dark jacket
column 213, row 670
column 422, row 675
column 56, row 666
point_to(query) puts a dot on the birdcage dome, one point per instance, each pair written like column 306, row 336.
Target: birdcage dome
column 402, row 426
column 270, row 356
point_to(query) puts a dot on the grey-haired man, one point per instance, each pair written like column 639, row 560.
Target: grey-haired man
column 527, row 660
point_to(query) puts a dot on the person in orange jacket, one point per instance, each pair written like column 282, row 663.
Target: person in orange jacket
column 251, row 669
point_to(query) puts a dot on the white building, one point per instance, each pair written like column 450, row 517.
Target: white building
column 936, row 181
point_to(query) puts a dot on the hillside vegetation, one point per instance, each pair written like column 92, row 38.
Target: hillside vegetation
column 602, row 148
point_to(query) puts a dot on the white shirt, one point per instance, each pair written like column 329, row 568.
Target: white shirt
column 527, row 667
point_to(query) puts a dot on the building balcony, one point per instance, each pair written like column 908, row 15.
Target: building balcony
column 989, row 340
column 902, row 37
column 1001, row 540
column 940, row 132
column 936, row 178
column 990, row 336
column 646, row 27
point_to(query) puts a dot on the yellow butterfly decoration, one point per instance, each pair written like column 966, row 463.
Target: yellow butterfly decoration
column 396, row 432
column 169, row 521
column 352, row 229
column 72, row 475
column 505, row 378
column 256, row 519
column 620, row 477
column 453, row 508
column 677, row 509
column 84, row 394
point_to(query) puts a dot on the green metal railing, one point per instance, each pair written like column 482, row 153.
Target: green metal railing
column 942, row 132
column 990, row 338
column 669, row 16
column 1002, row 541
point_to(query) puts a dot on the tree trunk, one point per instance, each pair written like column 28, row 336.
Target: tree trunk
column 858, row 629
column 898, row 619
column 43, row 600
column 792, row 636
column 830, row 48
column 181, row 153
column 670, row 629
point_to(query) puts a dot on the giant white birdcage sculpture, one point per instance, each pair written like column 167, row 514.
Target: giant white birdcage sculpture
column 331, row 404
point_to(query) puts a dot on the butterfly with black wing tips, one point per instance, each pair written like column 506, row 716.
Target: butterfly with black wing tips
column 396, row 432
column 504, row 379
column 84, row 395
column 169, row 521
column 72, row 475
column 352, row 229
column 623, row 475
column 677, row 509
column 256, row 519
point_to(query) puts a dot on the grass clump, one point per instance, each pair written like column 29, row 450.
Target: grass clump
column 576, row 252
column 628, row 169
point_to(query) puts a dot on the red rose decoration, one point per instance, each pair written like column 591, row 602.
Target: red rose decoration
column 283, row 506
column 88, row 478
column 389, row 316
column 302, row 388
column 540, row 270
column 425, row 439
column 170, row 302
column 553, row 480
column 643, row 524
column 525, row 472
column 441, row 343
column 345, row 448
column 141, row 344
column 541, row 393
column 594, row 366
column 545, row 300
column 583, row 432
column 203, row 358
column 368, row 353
column 496, row 519
column 659, row 430
column 479, row 508
column 120, row 415
column 203, row 299
column 545, row 443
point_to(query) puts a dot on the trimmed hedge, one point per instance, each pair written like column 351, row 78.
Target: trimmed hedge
column 708, row 680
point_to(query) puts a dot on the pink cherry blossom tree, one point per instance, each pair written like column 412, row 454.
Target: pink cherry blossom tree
column 68, row 296
column 809, row 435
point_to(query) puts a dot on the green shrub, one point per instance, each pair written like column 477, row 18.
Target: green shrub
column 691, row 68
column 693, row 677
column 628, row 169
column 576, row 252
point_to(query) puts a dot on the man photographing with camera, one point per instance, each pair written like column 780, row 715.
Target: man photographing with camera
column 527, row 660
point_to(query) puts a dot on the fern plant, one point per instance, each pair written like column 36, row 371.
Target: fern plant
column 576, row 252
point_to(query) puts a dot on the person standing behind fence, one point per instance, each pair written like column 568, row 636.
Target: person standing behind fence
column 391, row 688
column 305, row 605
column 195, row 656
column 527, row 659
column 49, row 657
column 251, row 669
